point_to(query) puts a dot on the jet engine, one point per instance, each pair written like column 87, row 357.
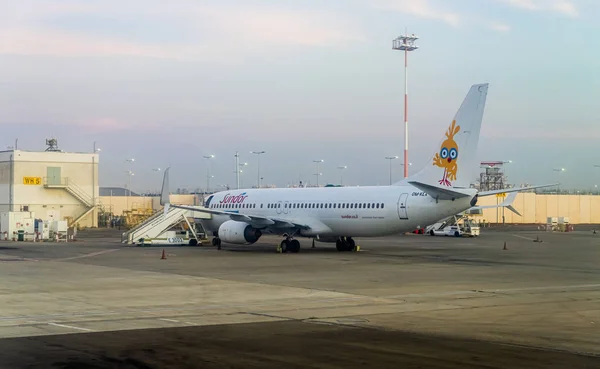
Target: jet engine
column 474, row 200
column 240, row 233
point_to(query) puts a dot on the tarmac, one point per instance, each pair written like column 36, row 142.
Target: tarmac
column 409, row 301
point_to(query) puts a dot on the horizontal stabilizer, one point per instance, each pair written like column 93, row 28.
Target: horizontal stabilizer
column 518, row 189
column 505, row 204
column 510, row 207
column 440, row 193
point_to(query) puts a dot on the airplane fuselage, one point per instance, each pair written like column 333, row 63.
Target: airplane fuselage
column 332, row 212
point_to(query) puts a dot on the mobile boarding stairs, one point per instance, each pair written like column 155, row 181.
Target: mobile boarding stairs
column 156, row 229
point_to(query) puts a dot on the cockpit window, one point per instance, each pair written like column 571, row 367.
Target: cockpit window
column 207, row 204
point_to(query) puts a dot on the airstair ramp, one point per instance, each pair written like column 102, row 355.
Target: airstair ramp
column 159, row 223
column 155, row 225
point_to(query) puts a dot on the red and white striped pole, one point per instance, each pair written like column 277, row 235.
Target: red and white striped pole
column 405, row 43
column 405, row 113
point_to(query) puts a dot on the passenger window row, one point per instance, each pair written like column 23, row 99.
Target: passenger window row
column 302, row 206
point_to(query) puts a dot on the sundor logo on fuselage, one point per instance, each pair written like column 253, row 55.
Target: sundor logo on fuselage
column 229, row 199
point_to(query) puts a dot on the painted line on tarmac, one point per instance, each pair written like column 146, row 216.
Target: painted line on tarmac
column 87, row 255
column 523, row 237
column 70, row 327
column 11, row 259
column 169, row 320
column 498, row 290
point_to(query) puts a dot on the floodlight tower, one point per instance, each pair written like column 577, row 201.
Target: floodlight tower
column 318, row 173
column 258, row 177
column 390, row 158
column 208, row 176
column 405, row 43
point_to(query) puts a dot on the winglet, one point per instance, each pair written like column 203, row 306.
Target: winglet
column 164, row 195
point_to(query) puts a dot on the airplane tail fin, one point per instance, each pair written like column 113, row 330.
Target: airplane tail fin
column 164, row 194
column 454, row 165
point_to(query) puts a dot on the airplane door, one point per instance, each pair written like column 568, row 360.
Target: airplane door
column 279, row 206
column 286, row 207
column 402, row 206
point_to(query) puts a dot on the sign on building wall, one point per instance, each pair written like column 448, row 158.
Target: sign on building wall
column 33, row 181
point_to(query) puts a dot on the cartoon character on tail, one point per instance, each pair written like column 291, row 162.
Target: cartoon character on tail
column 447, row 156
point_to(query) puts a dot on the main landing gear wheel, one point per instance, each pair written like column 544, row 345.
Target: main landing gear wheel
column 295, row 246
column 292, row 246
column 216, row 242
column 346, row 244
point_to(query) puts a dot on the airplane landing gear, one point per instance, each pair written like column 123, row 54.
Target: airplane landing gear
column 289, row 245
column 346, row 244
column 216, row 241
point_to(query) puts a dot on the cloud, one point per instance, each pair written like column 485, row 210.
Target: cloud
column 216, row 32
column 500, row 27
column 420, row 8
column 565, row 7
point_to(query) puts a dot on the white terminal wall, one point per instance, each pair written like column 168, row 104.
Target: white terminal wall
column 80, row 169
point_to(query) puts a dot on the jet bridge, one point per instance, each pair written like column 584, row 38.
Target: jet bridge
column 160, row 223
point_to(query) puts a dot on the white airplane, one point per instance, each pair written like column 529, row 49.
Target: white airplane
column 338, row 214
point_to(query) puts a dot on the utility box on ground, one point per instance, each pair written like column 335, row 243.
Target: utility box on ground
column 58, row 230
column 44, row 230
column 13, row 221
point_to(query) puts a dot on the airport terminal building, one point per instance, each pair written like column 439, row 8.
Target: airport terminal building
column 49, row 185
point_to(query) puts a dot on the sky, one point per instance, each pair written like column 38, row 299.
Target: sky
column 168, row 83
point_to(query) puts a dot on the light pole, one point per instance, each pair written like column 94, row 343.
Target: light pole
column 156, row 170
column 342, row 168
column 208, row 176
column 405, row 43
column 390, row 158
column 596, row 186
column 258, row 178
column 318, row 174
column 559, row 170
column 129, row 174
column 96, row 150
column 239, row 172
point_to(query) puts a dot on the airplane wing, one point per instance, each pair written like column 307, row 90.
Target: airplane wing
column 518, row 189
column 256, row 221
column 438, row 192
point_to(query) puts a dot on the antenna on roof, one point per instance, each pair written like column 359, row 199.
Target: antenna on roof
column 52, row 144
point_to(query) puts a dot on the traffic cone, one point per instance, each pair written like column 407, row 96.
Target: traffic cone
column 164, row 256
column 504, row 248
